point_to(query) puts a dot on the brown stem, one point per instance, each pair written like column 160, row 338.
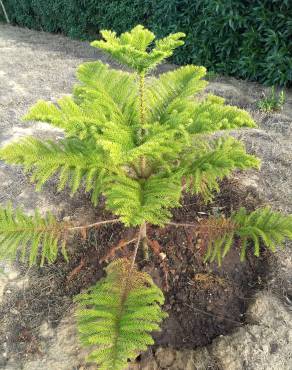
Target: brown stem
column 66, row 227
column 113, row 250
column 200, row 227
column 94, row 224
column 143, row 166
column 176, row 224
column 144, row 241
column 136, row 249
column 142, row 99
column 142, row 119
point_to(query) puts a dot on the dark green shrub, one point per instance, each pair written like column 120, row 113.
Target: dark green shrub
column 248, row 39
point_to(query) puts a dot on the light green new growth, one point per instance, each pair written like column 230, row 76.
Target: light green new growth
column 33, row 237
column 131, row 47
column 134, row 138
column 117, row 314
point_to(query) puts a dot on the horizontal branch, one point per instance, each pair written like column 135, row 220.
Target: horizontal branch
column 201, row 226
column 95, row 224
column 176, row 224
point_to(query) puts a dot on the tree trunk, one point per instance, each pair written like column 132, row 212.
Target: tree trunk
column 144, row 241
column 4, row 11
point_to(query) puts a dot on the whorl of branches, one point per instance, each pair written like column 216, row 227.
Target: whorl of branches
column 131, row 47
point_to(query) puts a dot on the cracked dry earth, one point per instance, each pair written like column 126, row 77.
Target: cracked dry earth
column 37, row 65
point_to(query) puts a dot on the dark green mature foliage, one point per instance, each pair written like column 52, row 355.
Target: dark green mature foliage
column 248, row 39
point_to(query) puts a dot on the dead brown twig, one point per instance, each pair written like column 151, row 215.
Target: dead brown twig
column 76, row 270
column 122, row 243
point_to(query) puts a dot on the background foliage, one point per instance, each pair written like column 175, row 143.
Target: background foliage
column 245, row 38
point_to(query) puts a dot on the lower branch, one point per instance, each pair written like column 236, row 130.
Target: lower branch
column 176, row 224
column 114, row 221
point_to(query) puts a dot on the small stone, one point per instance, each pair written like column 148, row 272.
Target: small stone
column 46, row 330
column 165, row 357
column 184, row 360
column 209, row 307
column 14, row 311
column 274, row 347
column 12, row 275
column 150, row 365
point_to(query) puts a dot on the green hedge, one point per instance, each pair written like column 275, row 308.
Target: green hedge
column 245, row 38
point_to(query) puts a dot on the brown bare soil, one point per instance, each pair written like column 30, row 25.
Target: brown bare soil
column 203, row 301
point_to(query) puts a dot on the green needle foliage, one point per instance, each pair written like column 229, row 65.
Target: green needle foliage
column 31, row 236
column 136, row 138
column 140, row 141
column 131, row 47
column 117, row 314
column 263, row 226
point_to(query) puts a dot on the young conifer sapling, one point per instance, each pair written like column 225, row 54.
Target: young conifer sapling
column 141, row 141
